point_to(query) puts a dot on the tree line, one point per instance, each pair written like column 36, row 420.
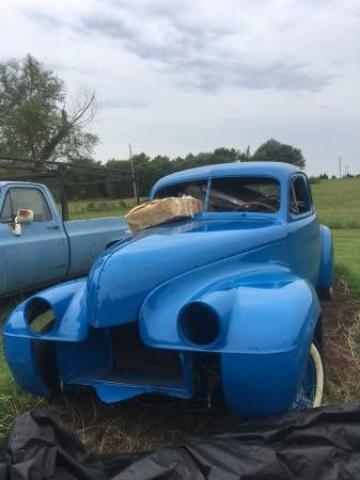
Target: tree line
column 149, row 170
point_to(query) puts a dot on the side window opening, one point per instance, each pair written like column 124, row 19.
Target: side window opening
column 299, row 197
column 30, row 198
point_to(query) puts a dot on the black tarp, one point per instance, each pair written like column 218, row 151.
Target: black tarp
column 320, row 444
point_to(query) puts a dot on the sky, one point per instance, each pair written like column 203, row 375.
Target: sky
column 173, row 77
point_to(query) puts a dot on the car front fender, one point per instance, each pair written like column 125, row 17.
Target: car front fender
column 267, row 318
column 261, row 308
column 22, row 345
column 67, row 302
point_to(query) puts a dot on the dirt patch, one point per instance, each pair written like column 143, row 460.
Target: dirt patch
column 341, row 322
column 137, row 426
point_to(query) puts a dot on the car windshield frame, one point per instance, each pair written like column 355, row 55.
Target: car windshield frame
column 208, row 181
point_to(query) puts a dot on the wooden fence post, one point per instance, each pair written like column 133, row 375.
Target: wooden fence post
column 63, row 194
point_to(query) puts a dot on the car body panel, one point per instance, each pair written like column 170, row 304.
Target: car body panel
column 125, row 330
column 184, row 246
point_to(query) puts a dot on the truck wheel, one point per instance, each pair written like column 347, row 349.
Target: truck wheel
column 310, row 392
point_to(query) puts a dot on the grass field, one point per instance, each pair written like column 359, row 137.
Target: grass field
column 338, row 204
column 82, row 209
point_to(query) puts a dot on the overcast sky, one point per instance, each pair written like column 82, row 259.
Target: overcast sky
column 174, row 76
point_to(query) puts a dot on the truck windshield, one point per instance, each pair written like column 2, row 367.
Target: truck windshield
column 231, row 194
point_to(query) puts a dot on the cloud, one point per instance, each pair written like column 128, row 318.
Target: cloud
column 122, row 103
column 175, row 76
column 199, row 50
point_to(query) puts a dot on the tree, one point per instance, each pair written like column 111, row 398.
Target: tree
column 274, row 151
column 35, row 121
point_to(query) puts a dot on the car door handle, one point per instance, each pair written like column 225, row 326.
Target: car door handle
column 53, row 227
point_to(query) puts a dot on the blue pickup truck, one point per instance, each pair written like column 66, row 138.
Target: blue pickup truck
column 38, row 248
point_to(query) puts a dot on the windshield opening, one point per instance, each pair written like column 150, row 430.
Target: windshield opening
column 231, row 194
column 195, row 189
column 240, row 194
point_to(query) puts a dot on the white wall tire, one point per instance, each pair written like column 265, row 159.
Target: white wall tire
column 319, row 375
column 311, row 388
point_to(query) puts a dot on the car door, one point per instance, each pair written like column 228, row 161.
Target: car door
column 303, row 228
column 39, row 255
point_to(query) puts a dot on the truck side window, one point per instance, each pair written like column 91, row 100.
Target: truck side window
column 31, row 198
column 300, row 199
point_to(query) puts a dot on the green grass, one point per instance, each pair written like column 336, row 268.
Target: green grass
column 84, row 209
column 347, row 258
column 338, row 202
column 338, row 205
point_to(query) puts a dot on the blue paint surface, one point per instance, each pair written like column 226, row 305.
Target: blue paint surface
column 254, row 274
column 51, row 251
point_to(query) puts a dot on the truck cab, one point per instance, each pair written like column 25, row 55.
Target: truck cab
column 44, row 249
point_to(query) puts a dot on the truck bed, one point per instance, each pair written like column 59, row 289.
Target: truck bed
column 87, row 238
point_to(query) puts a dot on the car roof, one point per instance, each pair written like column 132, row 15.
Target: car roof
column 278, row 170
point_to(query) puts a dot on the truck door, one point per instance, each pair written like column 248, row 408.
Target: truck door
column 40, row 254
column 304, row 234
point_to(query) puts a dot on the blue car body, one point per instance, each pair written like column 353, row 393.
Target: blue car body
column 231, row 293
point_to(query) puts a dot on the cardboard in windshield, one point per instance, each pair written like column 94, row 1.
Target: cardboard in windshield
column 162, row 210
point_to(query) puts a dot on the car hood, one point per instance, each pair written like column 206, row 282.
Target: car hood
column 124, row 275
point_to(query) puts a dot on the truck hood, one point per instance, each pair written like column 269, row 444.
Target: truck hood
column 124, row 275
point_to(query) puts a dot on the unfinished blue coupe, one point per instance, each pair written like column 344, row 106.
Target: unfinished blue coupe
column 223, row 306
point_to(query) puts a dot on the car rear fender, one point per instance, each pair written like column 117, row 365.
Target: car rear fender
column 327, row 258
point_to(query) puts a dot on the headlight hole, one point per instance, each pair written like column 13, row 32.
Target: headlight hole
column 199, row 324
column 40, row 316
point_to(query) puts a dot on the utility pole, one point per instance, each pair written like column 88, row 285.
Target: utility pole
column 340, row 169
column 134, row 182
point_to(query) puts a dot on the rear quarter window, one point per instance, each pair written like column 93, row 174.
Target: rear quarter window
column 300, row 199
